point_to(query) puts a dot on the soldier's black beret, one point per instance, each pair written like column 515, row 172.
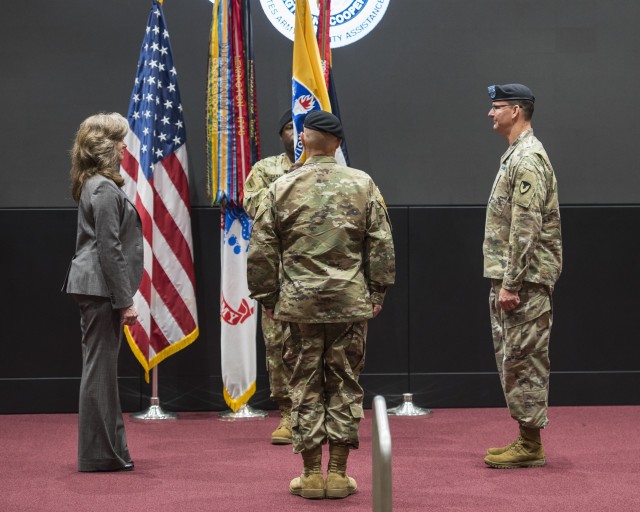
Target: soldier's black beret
column 322, row 121
column 284, row 119
column 509, row 92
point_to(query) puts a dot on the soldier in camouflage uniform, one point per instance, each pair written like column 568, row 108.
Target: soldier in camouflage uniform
column 275, row 332
column 321, row 258
column 523, row 258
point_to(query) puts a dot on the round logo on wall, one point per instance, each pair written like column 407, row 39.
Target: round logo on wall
column 350, row 20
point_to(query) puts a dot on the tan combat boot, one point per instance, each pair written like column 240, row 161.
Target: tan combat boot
column 339, row 485
column 502, row 449
column 526, row 452
column 310, row 483
column 282, row 434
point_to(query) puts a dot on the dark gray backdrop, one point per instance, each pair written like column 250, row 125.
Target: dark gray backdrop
column 412, row 93
column 414, row 103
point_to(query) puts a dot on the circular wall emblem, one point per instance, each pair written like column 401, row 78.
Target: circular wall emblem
column 350, row 20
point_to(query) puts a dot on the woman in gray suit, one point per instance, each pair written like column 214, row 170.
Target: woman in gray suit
column 103, row 276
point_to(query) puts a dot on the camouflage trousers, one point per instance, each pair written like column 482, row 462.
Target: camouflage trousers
column 521, row 345
column 280, row 357
column 325, row 393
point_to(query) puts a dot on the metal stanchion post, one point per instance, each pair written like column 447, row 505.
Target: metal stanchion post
column 406, row 408
column 154, row 412
column 382, row 481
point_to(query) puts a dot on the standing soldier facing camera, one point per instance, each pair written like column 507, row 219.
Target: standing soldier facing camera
column 263, row 174
column 523, row 258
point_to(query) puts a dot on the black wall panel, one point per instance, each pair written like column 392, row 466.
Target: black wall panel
column 432, row 337
column 599, row 288
column 448, row 314
column 450, row 337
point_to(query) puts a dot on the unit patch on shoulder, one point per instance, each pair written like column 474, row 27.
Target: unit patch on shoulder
column 525, row 188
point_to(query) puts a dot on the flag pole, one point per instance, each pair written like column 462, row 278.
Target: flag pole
column 154, row 411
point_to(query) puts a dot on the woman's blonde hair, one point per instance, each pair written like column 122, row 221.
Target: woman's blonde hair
column 94, row 150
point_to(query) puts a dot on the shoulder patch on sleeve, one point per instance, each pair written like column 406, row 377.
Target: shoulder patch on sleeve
column 380, row 199
column 266, row 203
column 249, row 184
column 525, row 187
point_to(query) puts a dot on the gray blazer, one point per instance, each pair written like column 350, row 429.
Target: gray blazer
column 109, row 253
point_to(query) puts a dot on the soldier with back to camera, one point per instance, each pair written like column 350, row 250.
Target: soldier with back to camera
column 321, row 258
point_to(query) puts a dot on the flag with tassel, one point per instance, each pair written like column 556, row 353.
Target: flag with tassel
column 233, row 146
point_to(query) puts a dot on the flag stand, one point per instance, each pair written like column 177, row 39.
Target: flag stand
column 406, row 408
column 246, row 412
column 154, row 412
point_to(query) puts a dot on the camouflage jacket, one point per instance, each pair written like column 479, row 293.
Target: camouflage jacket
column 522, row 240
column 263, row 174
column 329, row 227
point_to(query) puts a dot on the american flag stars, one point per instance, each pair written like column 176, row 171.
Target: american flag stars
column 155, row 110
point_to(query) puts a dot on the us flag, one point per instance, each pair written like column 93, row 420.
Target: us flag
column 156, row 179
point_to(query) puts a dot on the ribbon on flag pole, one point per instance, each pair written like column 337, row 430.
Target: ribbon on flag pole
column 156, row 179
column 233, row 146
column 324, row 37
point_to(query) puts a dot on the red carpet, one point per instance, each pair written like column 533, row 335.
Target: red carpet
column 199, row 463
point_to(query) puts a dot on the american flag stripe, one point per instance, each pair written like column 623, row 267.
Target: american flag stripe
column 156, row 179
column 171, row 299
column 145, row 292
column 169, row 230
column 169, row 179
column 175, row 173
column 158, row 342
column 173, row 275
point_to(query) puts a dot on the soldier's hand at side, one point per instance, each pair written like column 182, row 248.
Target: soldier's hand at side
column 269, row 313
column 508, row 300
column 376, row 309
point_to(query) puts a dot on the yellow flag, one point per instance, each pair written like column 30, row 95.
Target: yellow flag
column 308, row 85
